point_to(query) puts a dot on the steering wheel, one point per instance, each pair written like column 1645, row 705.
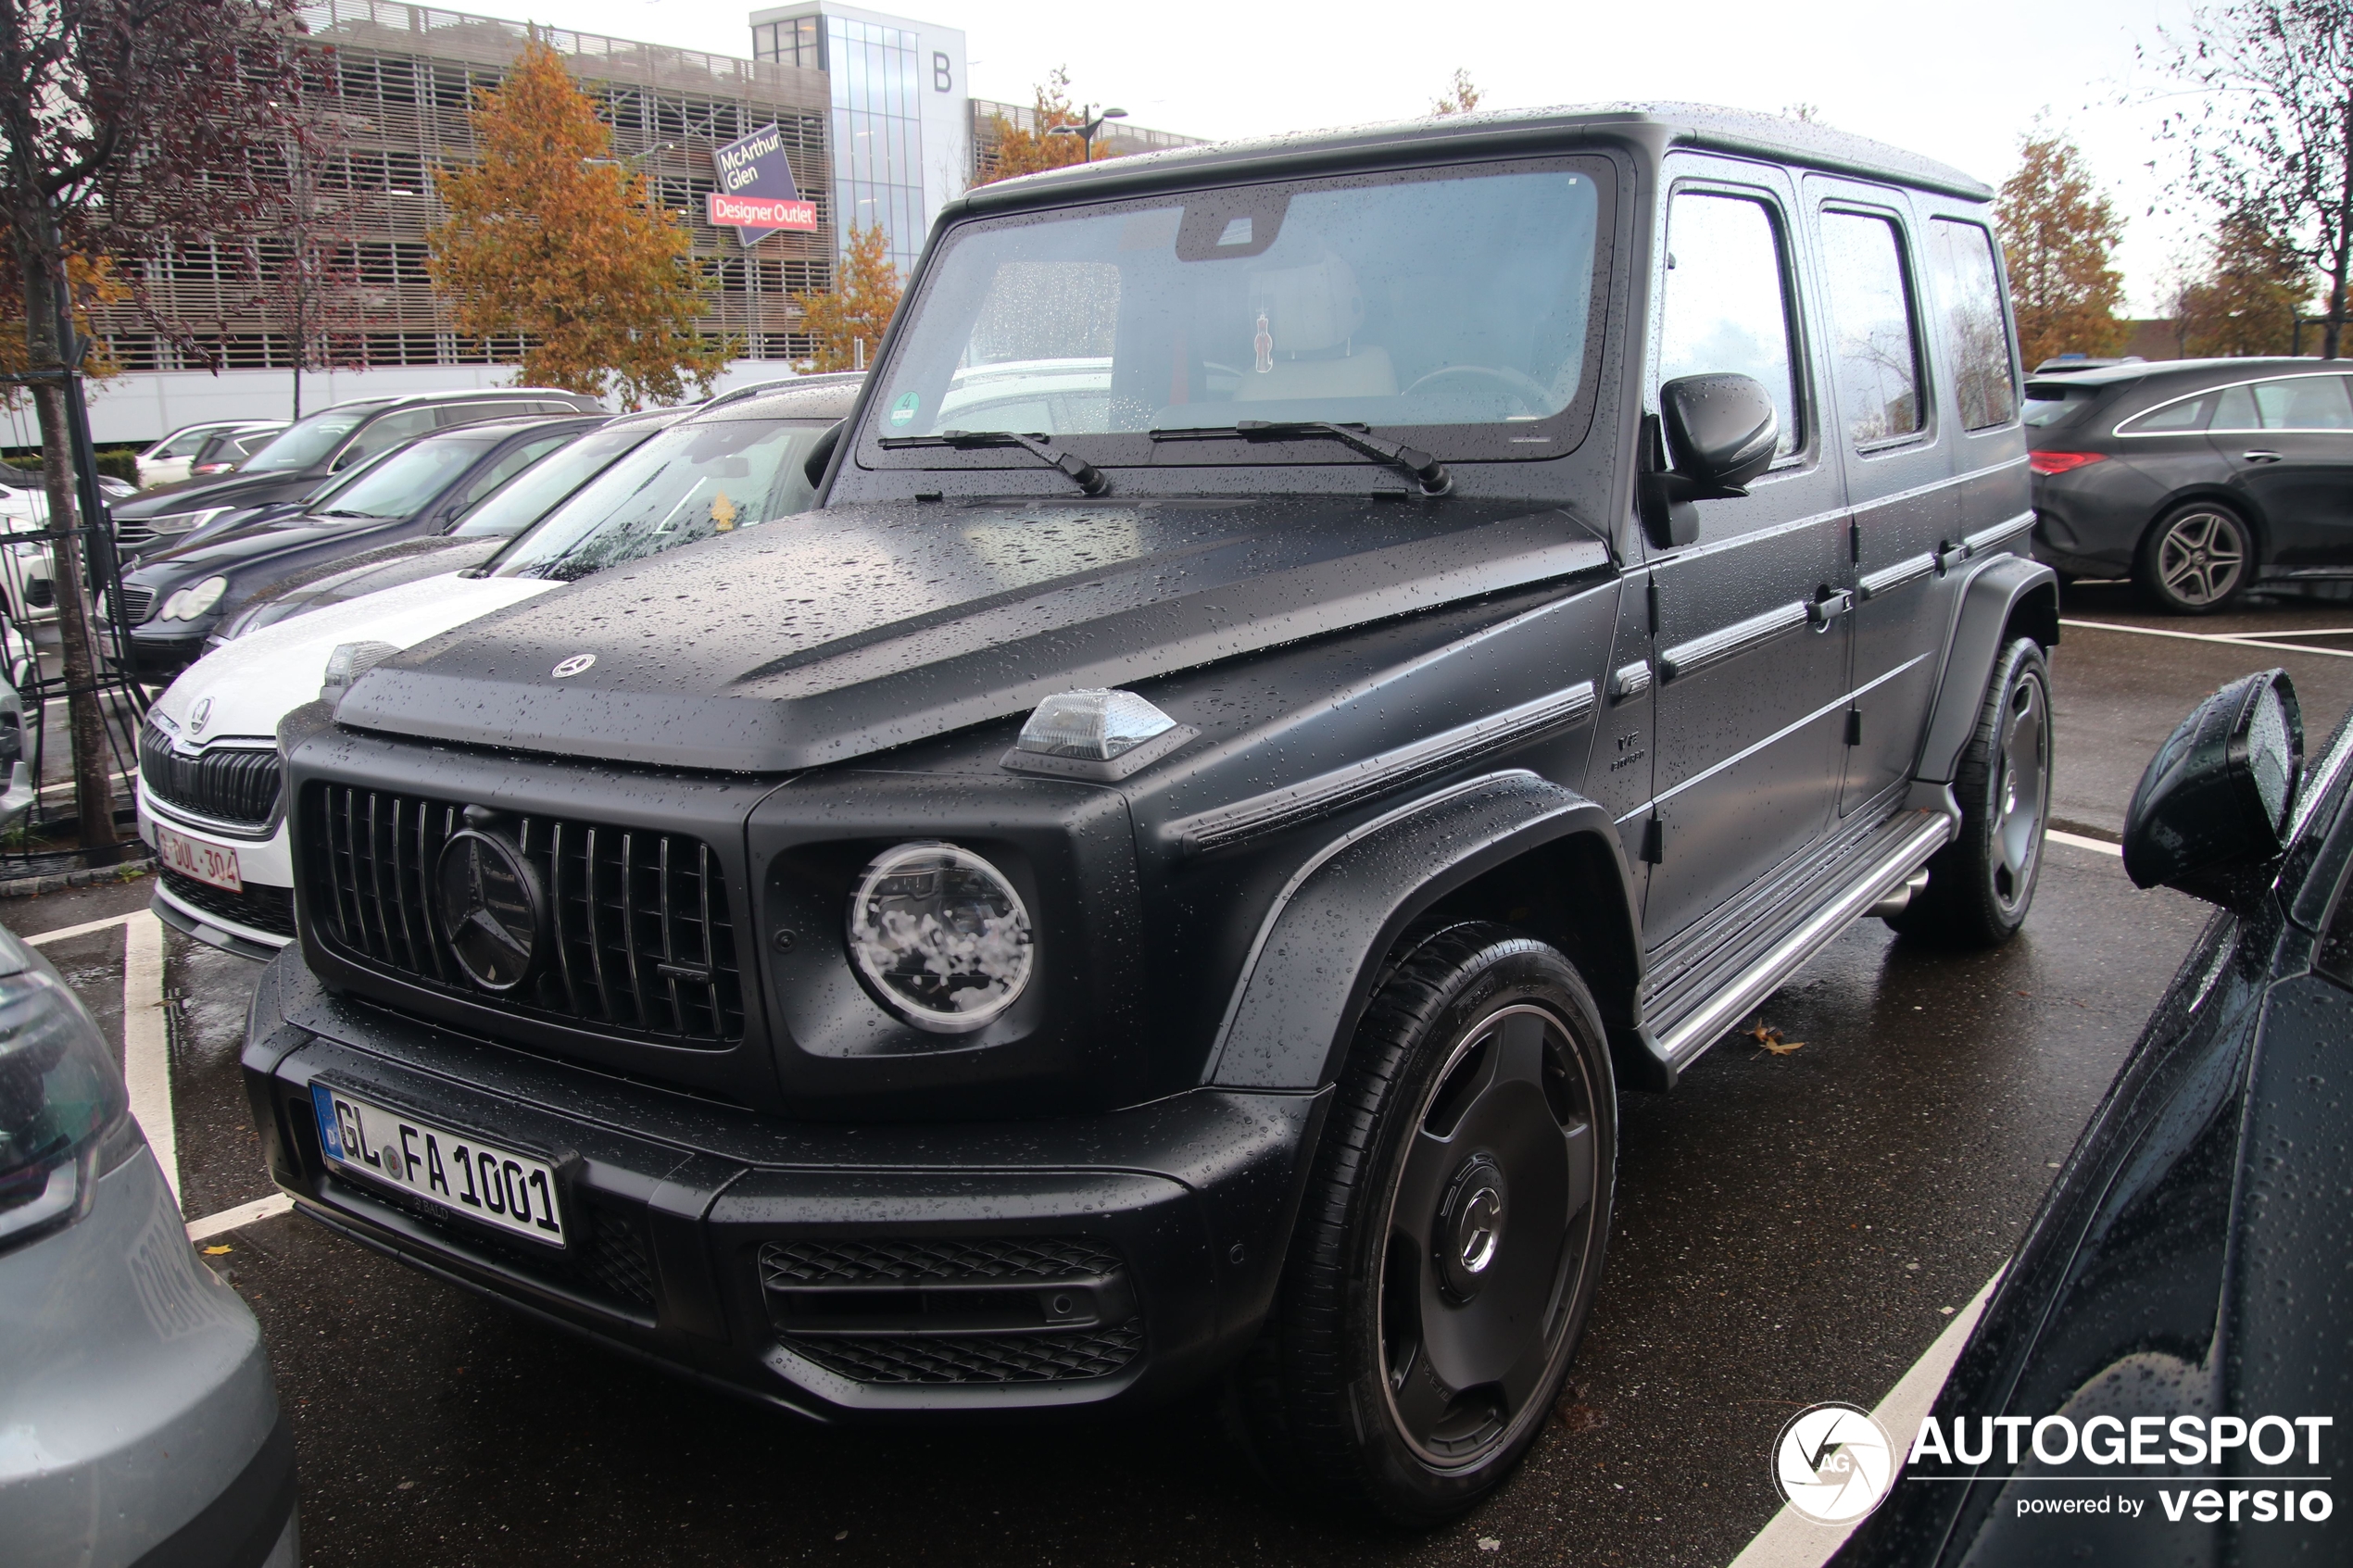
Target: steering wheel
column 1521, row 387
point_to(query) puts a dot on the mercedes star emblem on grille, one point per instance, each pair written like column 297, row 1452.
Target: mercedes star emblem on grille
column 488, row 896
column 575, row 665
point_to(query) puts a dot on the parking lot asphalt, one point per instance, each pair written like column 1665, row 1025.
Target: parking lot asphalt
column 1791, row 1228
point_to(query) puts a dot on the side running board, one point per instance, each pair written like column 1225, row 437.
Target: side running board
column 1691, row 1035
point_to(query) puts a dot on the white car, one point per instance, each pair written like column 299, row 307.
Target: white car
column 210, row 785
column 169, row 460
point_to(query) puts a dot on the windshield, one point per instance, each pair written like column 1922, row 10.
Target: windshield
column 1430, row 297
column 526, row 498
column 402, row 485
column 689, row 482
column 301, row 446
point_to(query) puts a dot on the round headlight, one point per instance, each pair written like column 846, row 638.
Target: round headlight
column 941, row 935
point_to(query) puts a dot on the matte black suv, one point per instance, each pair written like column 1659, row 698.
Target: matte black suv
column 1325, row 662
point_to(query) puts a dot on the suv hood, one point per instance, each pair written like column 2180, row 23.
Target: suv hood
column 258, row 680
column 862, row 628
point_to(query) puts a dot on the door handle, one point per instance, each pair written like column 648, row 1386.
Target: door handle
column 1820, row 612
column 2259, row 456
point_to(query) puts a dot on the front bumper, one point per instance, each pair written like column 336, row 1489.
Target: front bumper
column 842, row 1271
column 255, row 924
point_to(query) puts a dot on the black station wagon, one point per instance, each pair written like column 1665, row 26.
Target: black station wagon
column 1324, row 664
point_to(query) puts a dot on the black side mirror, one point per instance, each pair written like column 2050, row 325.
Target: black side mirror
column 1718, row 431
column 821, row 454
column 2213, row 805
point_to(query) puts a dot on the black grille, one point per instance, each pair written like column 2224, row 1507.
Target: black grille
column 226, row 784
column 1032, row 1358
column 131, row 608
column 786, row 1264
column 637, row 920
column 263, row 908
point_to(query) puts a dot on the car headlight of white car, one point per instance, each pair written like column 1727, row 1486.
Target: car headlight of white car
column 195, row 599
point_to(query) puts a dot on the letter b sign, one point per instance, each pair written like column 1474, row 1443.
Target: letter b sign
column 942, row 79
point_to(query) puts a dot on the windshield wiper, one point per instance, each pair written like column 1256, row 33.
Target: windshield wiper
column 1425, row 470
column 1078, row 471
column 363, row 517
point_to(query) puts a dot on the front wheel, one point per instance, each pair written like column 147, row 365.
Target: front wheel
column 1981, row 883
column 1451, row 1241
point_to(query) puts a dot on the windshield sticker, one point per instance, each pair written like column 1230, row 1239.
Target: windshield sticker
column 1265, row 343
column 903, row 411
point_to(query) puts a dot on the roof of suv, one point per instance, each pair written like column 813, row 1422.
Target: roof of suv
column 1739, row 130
column 472, row 395
column 2109, row 375
column 808, row 397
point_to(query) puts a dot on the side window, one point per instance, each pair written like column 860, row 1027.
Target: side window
column 2173, row 419
column 1726, row 304
column 384, row 434
column 1876, row 354
column 1969, row 290
column 473, row 413
column 2304, row 403
column 2235, row 410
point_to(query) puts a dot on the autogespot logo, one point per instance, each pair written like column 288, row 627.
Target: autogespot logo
column 1833, row 1463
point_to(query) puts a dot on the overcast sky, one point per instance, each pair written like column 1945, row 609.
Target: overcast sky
column 1961, row 82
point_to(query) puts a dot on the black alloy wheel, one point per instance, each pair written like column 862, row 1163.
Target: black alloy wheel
column 1452, row 1239
column 1982, row 882
column 2196, row 560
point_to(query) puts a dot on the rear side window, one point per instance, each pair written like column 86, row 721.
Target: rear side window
column 384, row 434
column 2291, row 403
column 1727, row 306
column 1876, row 353
column 1969, row 290
column 2178, row 418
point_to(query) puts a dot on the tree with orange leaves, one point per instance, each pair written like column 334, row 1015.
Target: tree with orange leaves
column 849, row 320
column 552, row 239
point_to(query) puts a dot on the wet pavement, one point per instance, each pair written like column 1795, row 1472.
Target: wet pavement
column 1791, row 1229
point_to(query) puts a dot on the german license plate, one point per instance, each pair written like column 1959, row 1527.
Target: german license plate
column 452, row 1170
column 214, row 863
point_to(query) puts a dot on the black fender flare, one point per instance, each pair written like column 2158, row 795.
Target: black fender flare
column 1998, row 593
column 1293, row 1010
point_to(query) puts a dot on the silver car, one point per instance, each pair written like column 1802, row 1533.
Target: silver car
column 138, row 1421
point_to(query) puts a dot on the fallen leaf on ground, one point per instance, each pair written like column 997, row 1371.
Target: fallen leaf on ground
column 1581, row 1418
column 217, row 1252
column 1769, row 1039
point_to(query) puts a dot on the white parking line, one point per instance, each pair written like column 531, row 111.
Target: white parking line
column 1792, row 1541
column 243, row 1214
column 83, row 929
column 2077, row 841
column 2249, row 640
column 146, row 1053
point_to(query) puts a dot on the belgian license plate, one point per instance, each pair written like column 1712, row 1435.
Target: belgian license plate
column 451, row 1171
column 213, row 863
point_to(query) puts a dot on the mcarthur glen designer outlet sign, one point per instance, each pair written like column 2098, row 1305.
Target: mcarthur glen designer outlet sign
column 756, row 196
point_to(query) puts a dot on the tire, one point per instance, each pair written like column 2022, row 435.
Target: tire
column 2196, row 560
column 1981, row 883
column 1397, row 1376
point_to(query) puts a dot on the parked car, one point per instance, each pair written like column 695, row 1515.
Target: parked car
column 172, row 459
column 173, row 600
column 226, row 450
column 209, row 793
column 479, row 534
column 142, row 1423
column 2185, row 1267
column 2200, row 478
column 1175, row 887
column 322, row 445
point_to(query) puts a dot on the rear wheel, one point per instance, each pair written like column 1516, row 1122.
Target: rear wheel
column 1452, row 1239
column 1981, row 883
column 2196, row 560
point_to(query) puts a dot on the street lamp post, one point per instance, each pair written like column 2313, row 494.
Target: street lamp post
column 1090, row 123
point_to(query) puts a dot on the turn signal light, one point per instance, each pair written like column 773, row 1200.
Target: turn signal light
column 2061, row 462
